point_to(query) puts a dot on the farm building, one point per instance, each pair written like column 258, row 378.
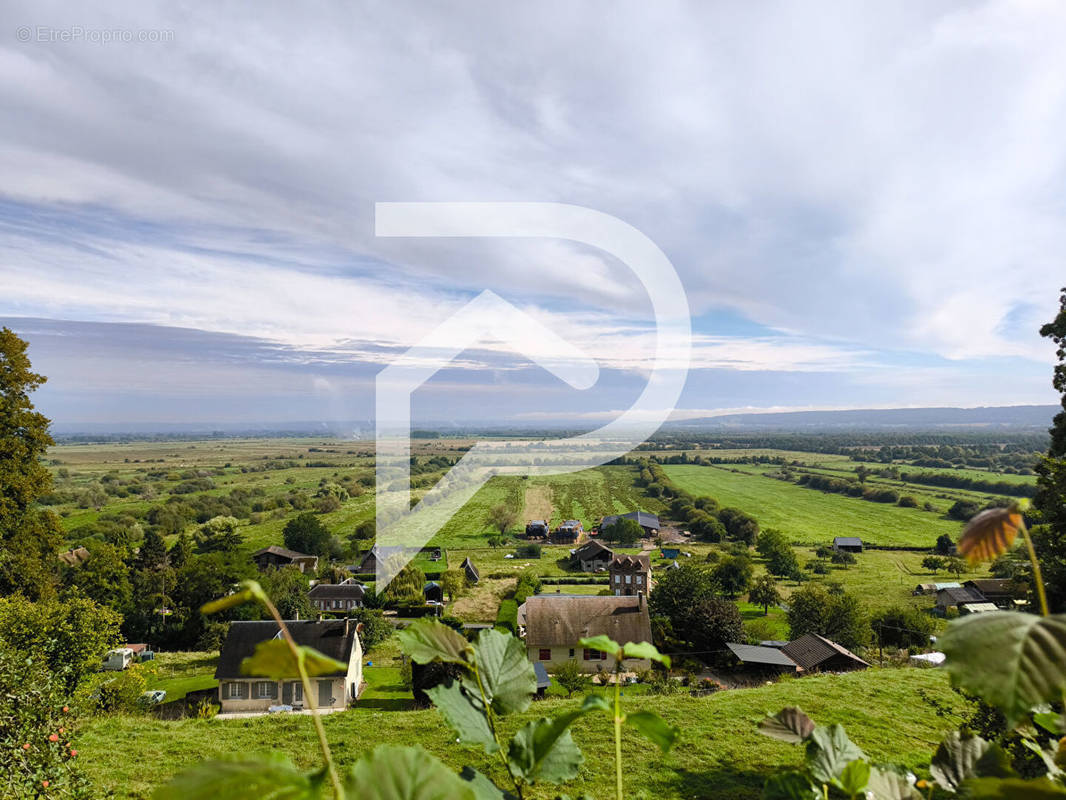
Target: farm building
column 847, row 544
column 592, row 556
column 343, row 596
column 933, row 588
column 553, row 626
column 278, row 557
column 376, row 555
column 670, row 552
column 630, row 575
column 472, row 575
column 1000, row 591
column 433, row 592
column 977, row 608
column 338, row 639
column 537, row 529
column 808, row 653
column 649, row 522
column 956, row 597
column 118, row 659
column 75, row 557
column 568, row 532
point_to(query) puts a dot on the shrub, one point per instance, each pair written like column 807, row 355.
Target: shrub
column 507, row 616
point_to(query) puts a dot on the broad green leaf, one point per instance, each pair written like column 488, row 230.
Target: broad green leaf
column 1050, row 722
column 990, row 534
column 1013, row 789
column 956, row 759
column 790, row 786
column 429, row 640
column 405, row 773
column 994, row 763
column 465, row 715
column 484, row 789
column 829, row 750
column 887, row 784
column 275, row 659
column 597, row 702
column 1047, row 755
column 654, row 728
column 544, row 750
column 506, row 674
column 1010, row 660
column 602, row 643
column 272, row 777
column 644, row 650
column 789, row 725
column 854, row 777
column 229, row 601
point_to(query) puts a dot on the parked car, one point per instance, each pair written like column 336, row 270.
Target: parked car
column 153, row 697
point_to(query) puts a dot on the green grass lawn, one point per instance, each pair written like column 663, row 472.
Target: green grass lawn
column 808, row 516
column 718, row 755
column 181, row 673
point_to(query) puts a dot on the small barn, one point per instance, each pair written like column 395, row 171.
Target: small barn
column 957, row 597
column 1000, row 591
column 472, row 575
column 433, row 592
column 814, row 653
column 592, row 556
column 847, row 544
column 275, row 557
column 568, row 532
column 648, row 521
column 537, row 529
column 766, row 659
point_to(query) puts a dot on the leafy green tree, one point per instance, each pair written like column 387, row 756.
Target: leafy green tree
column 740, row 525
column 406, row 586
column 770, row 540
column 104, row 578
column 453, row 583
column 496, row 541
column 287, row 587
column 711, row 623
column 219, row 534
column 182, row 551
column 934, row 563
column 622, row 531
column 733, row 575
column 30, row 539
column 945, row 545
column 764, row 593
column 571, row 678
column 782, row 561
column 376, row 629
column 839, row 617
column 152, row 553
column 1050, row 500
column 501, row 517
column 305, row 533
column 677, row 592
column 843, row 557
column 69, row 636
column 956, row 566
column 901, row 626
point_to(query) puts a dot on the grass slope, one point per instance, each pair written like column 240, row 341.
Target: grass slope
column 718, row 755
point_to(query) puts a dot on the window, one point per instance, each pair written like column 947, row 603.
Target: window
column 617, row 578
column 298, row 692
column 640, row 580
column 629, row 578
column 571, row 652
column 234, row 691
column 594, row 655
column 545, row 654
column 265, row 690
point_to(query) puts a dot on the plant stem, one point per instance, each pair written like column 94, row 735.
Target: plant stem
column 323, row 743
column 618, row 719
column 492, row 727
column 1038, row 578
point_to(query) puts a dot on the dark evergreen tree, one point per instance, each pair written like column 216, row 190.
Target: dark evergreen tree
column 1050, row 500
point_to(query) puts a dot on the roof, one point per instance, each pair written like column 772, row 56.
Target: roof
column 977, row 608
column 753, row 654
column 810, row 650
column 468, row 565
column 571, row 523
column 957, row 596
column 347, row 590
column 625, row 561
column 274, row 550
column 848, row 541
column 334, row 638
column 538, row 522
column 643, row 518
column 987, row 586
column 774, row 642
column 554, row 620
column 591, row 550
column 934, row 658
column 543, row 681
column 948, row 585
column 79, row 555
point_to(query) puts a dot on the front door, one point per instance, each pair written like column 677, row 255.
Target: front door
column 325, row 694
column 286, row 693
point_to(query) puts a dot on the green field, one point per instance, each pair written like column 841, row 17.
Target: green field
column 808, row 516
column 719, row 753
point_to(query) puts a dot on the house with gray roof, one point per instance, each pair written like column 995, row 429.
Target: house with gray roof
column 646, row 520
column 338, row 639
column 337, row 597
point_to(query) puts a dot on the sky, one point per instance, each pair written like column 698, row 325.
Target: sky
column 864, row 202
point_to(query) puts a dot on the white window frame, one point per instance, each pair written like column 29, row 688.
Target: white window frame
column 262, row 690
column 234, row 692
column 629, row 579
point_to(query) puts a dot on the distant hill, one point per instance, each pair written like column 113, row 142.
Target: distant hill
column 1030, row 418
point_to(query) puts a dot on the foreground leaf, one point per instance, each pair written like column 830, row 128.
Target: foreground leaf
column 956, row 759
column 272, row 777
column 275, row 659
column 602, row 644
column 654, row 728
column 429, row 640
column 597, row 702
column 789, row 725
column 854, row 777
column 405, row 773
column 506, row 673
column 464, row 714
column 229, row 601
column 483, row 788
column 544, row 750
column 644, row 650
column 1010, row 660
column 829, row 751
column 887, row 784
column 990, row 534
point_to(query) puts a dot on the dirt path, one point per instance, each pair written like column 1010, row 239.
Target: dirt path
column 538, row 503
